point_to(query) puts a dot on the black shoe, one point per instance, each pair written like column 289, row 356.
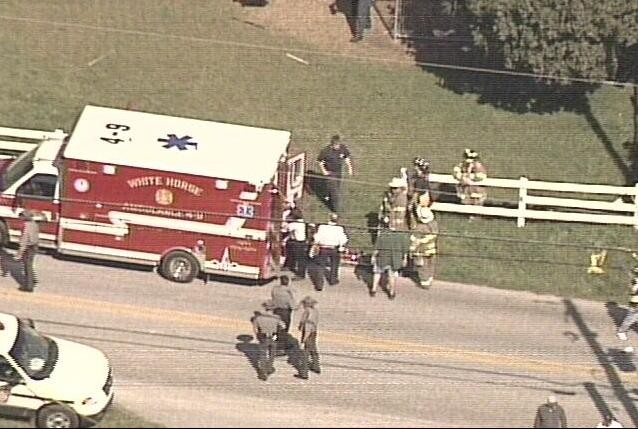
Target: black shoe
column 23, row 289
column 356, row 39
column 262, row 377
column 373, row 293
column 316, row 371
column 301, row 377
column 392, row 296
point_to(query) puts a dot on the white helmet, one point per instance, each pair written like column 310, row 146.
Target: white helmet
column 424, row 214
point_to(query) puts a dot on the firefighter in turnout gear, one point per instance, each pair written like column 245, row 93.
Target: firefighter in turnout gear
column 469, row 174
column 418, row 185
column 394, row 207
column 423, row 243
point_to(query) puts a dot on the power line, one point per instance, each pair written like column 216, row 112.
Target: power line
column 316, row 52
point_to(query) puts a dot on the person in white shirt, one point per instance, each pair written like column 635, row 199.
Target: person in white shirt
column 331, row 238
column 296, row 246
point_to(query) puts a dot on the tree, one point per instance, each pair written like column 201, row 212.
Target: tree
column 588, row 39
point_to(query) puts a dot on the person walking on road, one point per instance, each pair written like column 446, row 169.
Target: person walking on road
column 331, row 239
column 284, row 303
column 390, row 255
column 308, row 327
column 550, row 415
column 331, row 161
column 266, row 326
column 630, row 318
column 28, row 248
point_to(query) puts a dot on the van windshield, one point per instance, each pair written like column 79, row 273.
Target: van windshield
column 35, row 353
column 18, row 168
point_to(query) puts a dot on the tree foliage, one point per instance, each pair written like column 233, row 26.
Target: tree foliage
column 565, row 38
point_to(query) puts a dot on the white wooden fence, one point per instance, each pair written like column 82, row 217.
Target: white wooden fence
column 621, row 213
column 21, row 140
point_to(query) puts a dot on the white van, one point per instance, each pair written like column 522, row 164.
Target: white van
column 59, row 383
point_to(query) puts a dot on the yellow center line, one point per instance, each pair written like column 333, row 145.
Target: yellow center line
column 363, row 342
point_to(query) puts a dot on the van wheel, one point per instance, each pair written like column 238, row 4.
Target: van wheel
column 180, row 267
column 4, row 235
column 56, row 416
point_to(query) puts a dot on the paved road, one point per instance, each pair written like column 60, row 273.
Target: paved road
column 455, row 356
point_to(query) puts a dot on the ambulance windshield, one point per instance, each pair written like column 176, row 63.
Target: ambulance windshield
column 18, row 168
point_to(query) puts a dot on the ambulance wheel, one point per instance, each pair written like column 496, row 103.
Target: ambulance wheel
column 4, row 235
column 180, row 267
column 56, row 416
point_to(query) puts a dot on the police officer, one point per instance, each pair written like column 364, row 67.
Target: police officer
column 331, row 239
column 283, row 300
column 331, row 161
column 468, row 173
column 308, row 327
column 423, row 243
column 28, row 248
column 394, row 206
column 266, row 326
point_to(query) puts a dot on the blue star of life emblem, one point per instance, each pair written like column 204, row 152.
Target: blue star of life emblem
column 180, row 143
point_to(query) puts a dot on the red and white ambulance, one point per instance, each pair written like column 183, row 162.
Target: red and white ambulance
column 185, row 195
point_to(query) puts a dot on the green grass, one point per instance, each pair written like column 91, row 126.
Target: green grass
column 388, row 113
column 116, row 417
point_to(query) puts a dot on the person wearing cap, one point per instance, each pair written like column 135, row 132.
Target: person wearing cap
column 418, row 186
column 630, row 318
column 331, row 161
column 266, row 326
column 308, row 327
column 550, row 415
column 469, row 173
column 390, row 255
column 28, row 248
column 394, row 206
column 330, row 239
column 423, row 243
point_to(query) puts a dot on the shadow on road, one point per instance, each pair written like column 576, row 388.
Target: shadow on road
column 249, row 349
column 9, row 266
column 604, row 361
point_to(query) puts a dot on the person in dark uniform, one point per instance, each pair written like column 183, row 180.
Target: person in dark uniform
column 266, row 326
column 331, row 161
column 308, row 327
column 28, row 248
column 363, row 19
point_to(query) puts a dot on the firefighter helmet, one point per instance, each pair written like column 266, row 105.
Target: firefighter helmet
column 470, row 154
column 421, row 163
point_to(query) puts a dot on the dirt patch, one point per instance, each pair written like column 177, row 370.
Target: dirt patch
column 327, row 24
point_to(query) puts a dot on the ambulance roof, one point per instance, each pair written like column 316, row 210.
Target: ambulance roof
column 180, row 145
column 9, row 333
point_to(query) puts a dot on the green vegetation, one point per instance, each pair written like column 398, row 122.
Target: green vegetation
column 204, row 67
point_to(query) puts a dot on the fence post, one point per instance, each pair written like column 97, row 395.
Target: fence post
column 522, row 202
column 635, row 196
